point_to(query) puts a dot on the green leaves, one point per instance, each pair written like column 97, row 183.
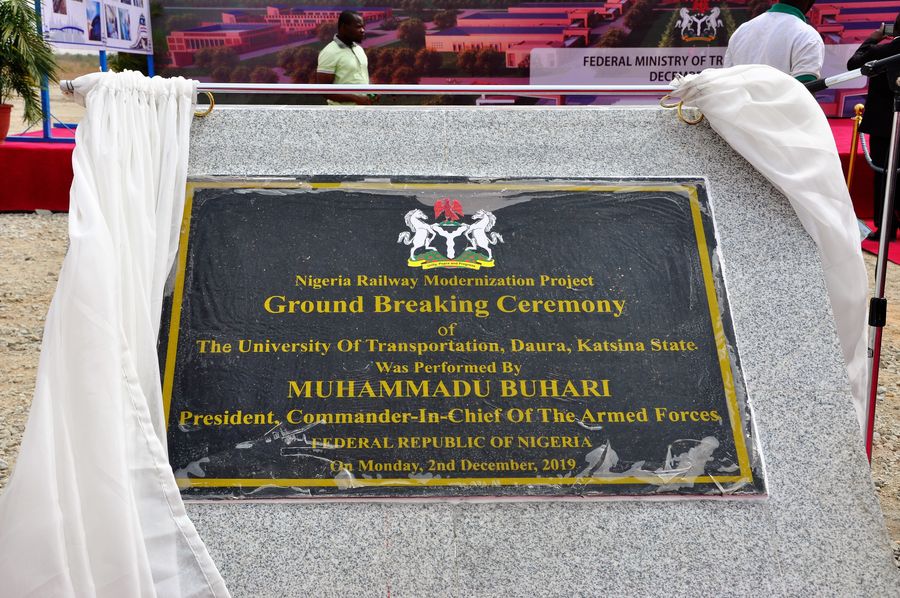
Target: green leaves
column 24, row 56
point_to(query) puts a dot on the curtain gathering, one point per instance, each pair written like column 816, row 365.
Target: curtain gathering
column 92, row 508
column 777, row 126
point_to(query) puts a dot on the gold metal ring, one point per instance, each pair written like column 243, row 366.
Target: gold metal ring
column 212, row 104
column 667, row 106
column 685, row 120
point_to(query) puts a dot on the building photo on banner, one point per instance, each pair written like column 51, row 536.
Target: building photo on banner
column 609, row 42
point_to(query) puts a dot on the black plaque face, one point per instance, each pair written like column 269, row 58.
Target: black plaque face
column 429, row 338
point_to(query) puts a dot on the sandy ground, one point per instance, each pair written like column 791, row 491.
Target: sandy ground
column 62, row 110
column 886, row 453
column 32, row 247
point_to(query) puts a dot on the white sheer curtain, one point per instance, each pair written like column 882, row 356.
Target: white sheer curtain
column 776, row 125
column 92, row 508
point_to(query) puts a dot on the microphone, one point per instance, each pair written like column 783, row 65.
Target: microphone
column 869, row 69
column 826, row 82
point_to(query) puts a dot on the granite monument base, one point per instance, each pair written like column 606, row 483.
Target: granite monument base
column 820, row 530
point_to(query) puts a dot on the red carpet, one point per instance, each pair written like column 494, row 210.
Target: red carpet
column 36, row 175
column 861, row 187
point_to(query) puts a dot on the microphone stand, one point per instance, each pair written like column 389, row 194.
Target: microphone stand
column 878, row 303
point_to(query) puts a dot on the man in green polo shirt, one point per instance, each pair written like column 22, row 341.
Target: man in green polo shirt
column 343, row 61
column 780, row 38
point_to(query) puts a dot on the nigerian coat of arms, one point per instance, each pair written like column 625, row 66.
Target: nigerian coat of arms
column 699, row 23
column 450, row 242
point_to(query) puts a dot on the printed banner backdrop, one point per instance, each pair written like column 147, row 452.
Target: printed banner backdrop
column 516, row 338
column 122, row 26
column 647, row 66
column 496, row 42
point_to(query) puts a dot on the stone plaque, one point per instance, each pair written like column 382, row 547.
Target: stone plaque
column 442, row 338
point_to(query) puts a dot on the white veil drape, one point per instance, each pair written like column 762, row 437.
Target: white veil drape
column 776, row 125
column 92, row 508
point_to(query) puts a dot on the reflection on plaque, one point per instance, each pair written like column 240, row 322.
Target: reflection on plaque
column 428, row 338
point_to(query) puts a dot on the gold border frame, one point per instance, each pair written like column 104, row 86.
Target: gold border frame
column 718, row 328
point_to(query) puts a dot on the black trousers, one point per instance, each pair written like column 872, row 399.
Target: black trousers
column 879, row 148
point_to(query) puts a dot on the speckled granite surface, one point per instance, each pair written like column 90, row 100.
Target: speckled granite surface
column 820, row 531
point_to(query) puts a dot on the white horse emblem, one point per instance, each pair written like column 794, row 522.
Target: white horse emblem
column 685, row 21
column 477, row 233
column 420, row 234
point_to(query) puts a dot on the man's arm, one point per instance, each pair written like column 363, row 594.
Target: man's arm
column 870, row 50
column 328, row 79
column 733, row 41
column 807, row 60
